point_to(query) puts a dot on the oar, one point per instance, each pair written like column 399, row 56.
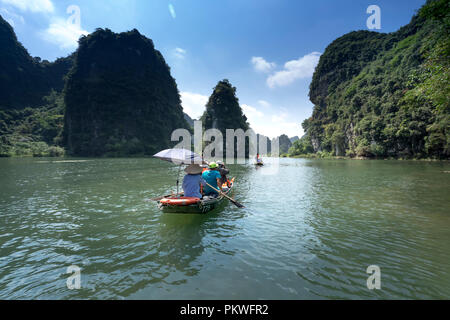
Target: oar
column 237, row 204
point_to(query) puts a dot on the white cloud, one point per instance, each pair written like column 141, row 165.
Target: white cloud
column 64, row 34
column 273, row 129
column 281, row 117
column 264, row 103
column 11, row 17
column 272, row 125
column 251, row 112
column 193, row 103
column 32, row 5
column 281, row 124
column 261, row 65
column 294, row 69
column 179, row 53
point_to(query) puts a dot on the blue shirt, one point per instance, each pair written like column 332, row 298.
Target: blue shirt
column 211, row 177
column 191, row 185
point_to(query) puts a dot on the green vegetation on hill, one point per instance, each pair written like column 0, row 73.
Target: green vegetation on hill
column 301, row 146
column 284, row 144
column 33, row 131
column 31, row 109
column 384, row 95
column 374, row 95
column 224, row 112
column 120, row 97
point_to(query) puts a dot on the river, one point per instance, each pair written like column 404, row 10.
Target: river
column 310, row 230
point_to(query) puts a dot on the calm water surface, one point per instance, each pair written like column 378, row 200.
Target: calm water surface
column 308, row 232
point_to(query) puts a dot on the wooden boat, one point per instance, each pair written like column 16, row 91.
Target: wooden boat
column 259, row 163
column 174, row 204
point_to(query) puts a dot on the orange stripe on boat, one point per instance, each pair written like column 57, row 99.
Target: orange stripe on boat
column 180, row 201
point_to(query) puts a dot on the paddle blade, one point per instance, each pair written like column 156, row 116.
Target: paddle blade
column 237, row 204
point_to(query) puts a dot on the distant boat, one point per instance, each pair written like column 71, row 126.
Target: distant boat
column 259, row 161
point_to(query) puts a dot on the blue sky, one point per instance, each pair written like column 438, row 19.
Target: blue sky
column 266, row 48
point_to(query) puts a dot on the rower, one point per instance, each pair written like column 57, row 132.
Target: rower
column 213, row 177
column 223, row 173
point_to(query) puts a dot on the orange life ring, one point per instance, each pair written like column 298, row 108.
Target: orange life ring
column 180, row 201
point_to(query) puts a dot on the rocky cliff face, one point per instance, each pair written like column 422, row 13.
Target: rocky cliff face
column 381, row 95
column 120, row 97
column 224, row 112
column 285, row 143
column 25, row 80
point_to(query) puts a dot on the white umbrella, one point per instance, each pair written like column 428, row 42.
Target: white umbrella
column 179, row 156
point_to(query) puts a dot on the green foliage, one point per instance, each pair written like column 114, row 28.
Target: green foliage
column 33, row 131
column 343, row 60
column 55, row 151
column 438, row 10
column 324, row 154
column 284, row 143
column 385, row 95
column 301, row 147
column 120, row 97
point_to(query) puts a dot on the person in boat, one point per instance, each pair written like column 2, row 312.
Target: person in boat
column 213, row 177
column 258, row 159
column 193, row 181
column 223, row 173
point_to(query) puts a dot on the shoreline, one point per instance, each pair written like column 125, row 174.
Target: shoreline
column 306, row 156
column 362, row 158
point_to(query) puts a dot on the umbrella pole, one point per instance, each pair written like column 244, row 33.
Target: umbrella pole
column 178, row 178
